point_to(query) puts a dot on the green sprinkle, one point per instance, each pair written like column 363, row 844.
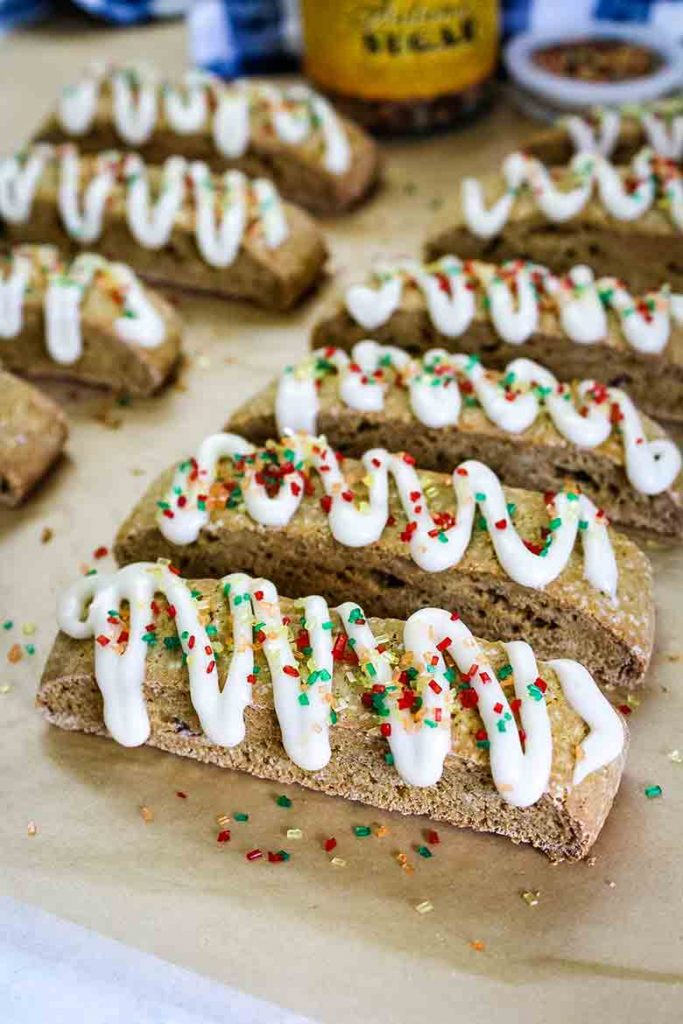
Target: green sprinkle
column 480, row 496
column 303, row 699
column 430, row 723
column 389, row 757
column 554, row 524
column 7, row 624
column 425, row 852
column 30, row 648
column 195, row 594
column 241, row 816
column 504, row 671
column 534, row 692
column 512, row 508
column 362, row 830
column 652, row 792
column 149, row 638
column 583, row 524
column 283, row 855
column 483, row 744
column 334, row 717
column 171, row 643
column 283, row 801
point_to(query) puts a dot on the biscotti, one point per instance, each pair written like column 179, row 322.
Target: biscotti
column 417, row 717
column 614, row 133
column 528, row 428
column 509, row 560
column 626, row 221
column 574, row 325
column 89, row 321
column 173, row 223
column 33, row 432
column 289, row 134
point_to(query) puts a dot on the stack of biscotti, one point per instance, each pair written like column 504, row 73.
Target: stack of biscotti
column 515, row 563
column 174, row 223
column 575, row 325
column 418, row 717
column 618, row 134
column 290, row 134
column 33, row 432
column 621, row 220
column 87, row 320
column 523, row 423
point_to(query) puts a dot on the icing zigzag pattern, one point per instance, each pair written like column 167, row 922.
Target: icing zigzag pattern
column 436, row 542
column 415, row 708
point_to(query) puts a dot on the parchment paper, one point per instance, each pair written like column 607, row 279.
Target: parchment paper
column 339, row 943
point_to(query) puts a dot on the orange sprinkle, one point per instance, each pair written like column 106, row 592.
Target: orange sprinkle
column 147, row 815
column 14, row 654
column 478, row 945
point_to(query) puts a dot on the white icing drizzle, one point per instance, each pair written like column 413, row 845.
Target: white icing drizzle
column 294, row 113
column 63, row 293
column 225, row 206
column 513, row 293
column 588, row 137
column 512, row 400
column 434, row 548
column 520, row 764
column 652, row 179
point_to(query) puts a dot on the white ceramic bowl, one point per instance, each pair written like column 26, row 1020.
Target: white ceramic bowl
column 570, row 94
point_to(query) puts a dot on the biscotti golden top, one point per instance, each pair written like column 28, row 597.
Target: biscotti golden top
column 524, row 400
column 649, row 190
column 427, row 686
column 606, row 130
column 519, row 298
column 88, row 289
column 139, row 100
column 224, row 212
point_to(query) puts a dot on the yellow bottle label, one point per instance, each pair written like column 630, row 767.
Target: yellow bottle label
column 399, row 49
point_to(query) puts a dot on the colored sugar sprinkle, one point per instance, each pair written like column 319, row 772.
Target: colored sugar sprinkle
column 381, row 831
column 652, row 792
column 338, row 862
column 223, row 836
column 432, row 836
column 240, row 816
column 362, row 830
column 179, row 793
column 7, row 624
column 255, row 854
column 675, row 756
column 14, row 654
column 31, row 829
column 425, row 907
column 329, row 844
column 425, row 852
column 531, row 897
column 146, row 814
column 294, row 833
column 28, row 629
column 30, row 648
column 477, row 945
column 283, row 801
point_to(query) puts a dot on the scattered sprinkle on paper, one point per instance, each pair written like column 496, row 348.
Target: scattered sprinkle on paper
column 425, row 907
column 146, row 814
column 46, row 535
column 338, row 862
column 675, row 756
column 652, row 792
column 31, row 829
column 294, row 833
column 477, row 945
column 531, row 897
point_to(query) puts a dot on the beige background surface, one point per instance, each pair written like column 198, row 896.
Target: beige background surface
column 340, row 944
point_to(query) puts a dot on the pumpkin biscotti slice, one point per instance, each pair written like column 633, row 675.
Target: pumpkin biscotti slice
column 289, row 134
column 575, row 325
column 528, row 428
column 626, row 221
column 418, row 717
column 515, row 563
column 88, row 320
column 33, row 432
column 175, row 223
column 618, row 134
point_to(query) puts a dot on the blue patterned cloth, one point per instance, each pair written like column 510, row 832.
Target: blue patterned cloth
column 235, row 37
column 14, row 13
column 524, row 15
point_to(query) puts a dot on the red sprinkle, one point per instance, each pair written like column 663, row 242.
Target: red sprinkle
column 385, row 729
column 329, row 844
column 224, row 836
column 183, row 796
column 100, row 552
column 289, row 670
column 625, row 709
column 432, row 837
column 326, row 503
column 255, row 854
column 103, row 640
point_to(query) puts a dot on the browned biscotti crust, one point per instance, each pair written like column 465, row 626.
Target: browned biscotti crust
column 540, row 456
column 33, row 432
column 297, row 169
column 564, row 823
column 554, row 145
column 643, row 252
column 271, row 277
column 569, row 618
column 654, row 381
column 106, row 360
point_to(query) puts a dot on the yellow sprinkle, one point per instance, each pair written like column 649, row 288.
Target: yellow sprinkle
column 675, row 756
column 402, row 858
column 294, row 833
column 408, row 869
column 147, row 815
column 531, row 897
column 425, row 907
column 381, row 831
column 28, row 629
column 5, row 688
column 223, row 819
column 32, row 829
column 338, row 862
